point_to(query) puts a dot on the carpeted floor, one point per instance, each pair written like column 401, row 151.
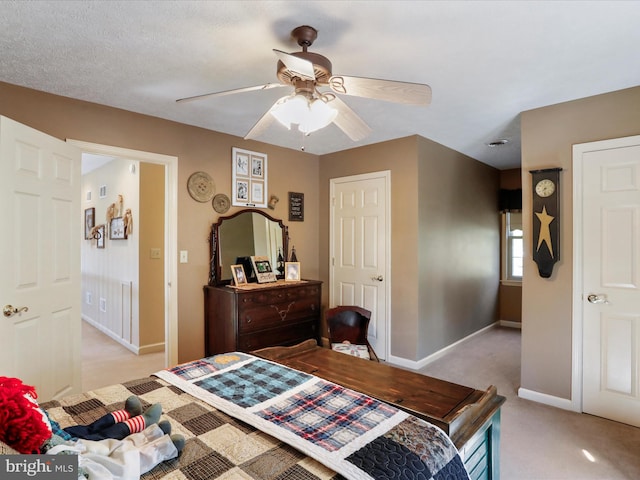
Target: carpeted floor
column 539, row 442
column 105, row 361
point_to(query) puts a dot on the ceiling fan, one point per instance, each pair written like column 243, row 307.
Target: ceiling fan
column 312, row 108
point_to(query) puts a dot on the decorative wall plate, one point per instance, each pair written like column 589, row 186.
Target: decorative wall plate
column 221, row 203
column 201, row 187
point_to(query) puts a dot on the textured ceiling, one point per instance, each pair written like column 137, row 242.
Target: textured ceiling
column 485, row 61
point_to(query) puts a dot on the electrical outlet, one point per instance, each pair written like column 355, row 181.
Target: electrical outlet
column 103, row 304
column 184, row 256
column 89, row 298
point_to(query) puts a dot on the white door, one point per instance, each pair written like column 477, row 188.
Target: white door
column 40, row 260
column 611, row 278
column 360, row 249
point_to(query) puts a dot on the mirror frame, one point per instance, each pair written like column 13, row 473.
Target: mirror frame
column 215, row 271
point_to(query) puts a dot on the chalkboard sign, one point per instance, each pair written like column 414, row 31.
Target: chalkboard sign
column 296, row 207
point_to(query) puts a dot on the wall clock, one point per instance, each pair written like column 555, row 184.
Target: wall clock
column 546, row 219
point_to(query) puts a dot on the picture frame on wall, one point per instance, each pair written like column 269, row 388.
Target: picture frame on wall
column 89, row 222
column 117, row 229
column 296, row 207
column 100, row 236
column 249, row 182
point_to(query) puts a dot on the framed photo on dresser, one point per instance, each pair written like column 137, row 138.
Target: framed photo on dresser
column 263, row 270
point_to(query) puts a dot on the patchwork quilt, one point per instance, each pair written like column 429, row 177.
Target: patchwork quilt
column 346, row 431
column 217, row 445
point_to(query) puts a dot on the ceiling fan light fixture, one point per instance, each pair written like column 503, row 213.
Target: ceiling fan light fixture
column 320, row 115
column 309, row 114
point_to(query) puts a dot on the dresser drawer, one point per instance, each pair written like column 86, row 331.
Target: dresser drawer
column 275, row 314
column 288, row 335
column 281, row 307
column 260, row 298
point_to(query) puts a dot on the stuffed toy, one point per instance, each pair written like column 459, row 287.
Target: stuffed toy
column 120, row 445
column 23, row 425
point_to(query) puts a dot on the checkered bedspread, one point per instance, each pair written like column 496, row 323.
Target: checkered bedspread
column 217, row 445
column 348, row 432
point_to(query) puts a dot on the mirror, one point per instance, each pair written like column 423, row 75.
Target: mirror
column 245, row 233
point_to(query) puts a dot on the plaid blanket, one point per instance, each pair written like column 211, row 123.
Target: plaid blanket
column 347, row 431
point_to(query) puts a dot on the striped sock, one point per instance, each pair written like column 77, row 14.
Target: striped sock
column 135, row 424
column 120, row 416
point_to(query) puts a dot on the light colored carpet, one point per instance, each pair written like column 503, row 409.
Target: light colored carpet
column 539, row 442
column 105, row 361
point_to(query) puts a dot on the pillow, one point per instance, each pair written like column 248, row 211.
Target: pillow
column 360, row 351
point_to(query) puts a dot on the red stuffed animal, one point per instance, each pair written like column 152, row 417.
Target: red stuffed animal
column 23, row 426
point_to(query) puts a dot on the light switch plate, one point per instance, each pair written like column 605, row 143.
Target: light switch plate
column 155, row 253
column 184, row 256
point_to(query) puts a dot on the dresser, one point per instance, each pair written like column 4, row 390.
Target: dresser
column 255, row 316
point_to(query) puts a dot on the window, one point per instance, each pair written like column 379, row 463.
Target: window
column 512, row 247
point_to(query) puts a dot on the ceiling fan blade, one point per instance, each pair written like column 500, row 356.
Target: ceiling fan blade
column 265, row 121
column 348, row 121
column 299, row 66
column 389, row 90
column 231, row 92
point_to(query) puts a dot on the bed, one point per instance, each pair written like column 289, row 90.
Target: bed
column 248, row 417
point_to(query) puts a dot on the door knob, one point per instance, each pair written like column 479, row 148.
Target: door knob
column 378, row 278
column 597, row 298
column 10, row 310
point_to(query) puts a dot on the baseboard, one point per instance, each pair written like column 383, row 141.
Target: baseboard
column 545, row 399
column 152, row 348
column 510, row 324
column 418, row 364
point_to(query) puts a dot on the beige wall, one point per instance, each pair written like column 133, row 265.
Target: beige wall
column 547, row 138
column 459, row 246
column 444, row 239
column 149, row 227
column 197, row 149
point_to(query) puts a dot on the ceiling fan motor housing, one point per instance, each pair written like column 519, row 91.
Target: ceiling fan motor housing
column 321, row 68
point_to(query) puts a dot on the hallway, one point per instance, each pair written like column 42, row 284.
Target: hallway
column 105, row 362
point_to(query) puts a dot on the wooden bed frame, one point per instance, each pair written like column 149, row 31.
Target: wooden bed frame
column 470, row 417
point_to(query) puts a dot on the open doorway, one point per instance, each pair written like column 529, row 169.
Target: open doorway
column 168, row 251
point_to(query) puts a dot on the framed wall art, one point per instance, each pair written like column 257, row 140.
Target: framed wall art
column 249, row 183
column 296, row 207
column 89, row 222
column 100, row 237
column 117, row 229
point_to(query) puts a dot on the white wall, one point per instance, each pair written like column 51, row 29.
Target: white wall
column 111, row 274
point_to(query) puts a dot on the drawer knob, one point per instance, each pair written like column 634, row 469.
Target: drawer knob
column 248, row 319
